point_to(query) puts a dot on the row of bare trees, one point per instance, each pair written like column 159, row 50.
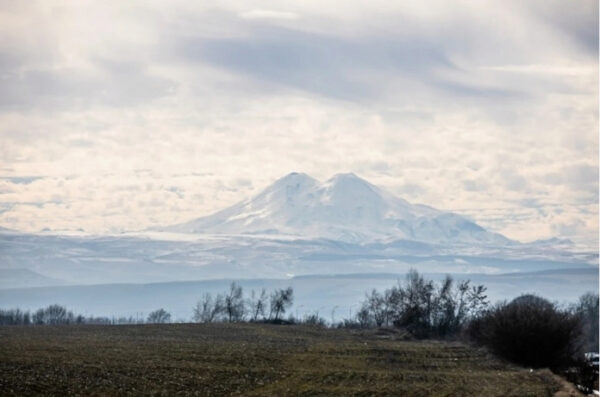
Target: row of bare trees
column 423, row 307
column 51, row 315
column 233, row 307
column 59, row 315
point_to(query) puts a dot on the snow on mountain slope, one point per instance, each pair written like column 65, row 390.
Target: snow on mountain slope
column 345, row 208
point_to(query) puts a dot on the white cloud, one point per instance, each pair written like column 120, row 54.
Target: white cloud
column 137, row 115
column 268, row 14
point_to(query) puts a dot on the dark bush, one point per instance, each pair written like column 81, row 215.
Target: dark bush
column 530, row 331
column 277, row 321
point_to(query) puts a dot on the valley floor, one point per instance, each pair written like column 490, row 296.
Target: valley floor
column 250, row 360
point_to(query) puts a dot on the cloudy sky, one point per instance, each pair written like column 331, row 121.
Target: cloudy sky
column 119, row 115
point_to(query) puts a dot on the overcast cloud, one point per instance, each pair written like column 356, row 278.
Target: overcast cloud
column 124, row 115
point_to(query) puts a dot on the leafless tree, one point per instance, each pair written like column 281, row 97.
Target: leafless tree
column 364, row 316
column 208, row 309
column 424, row 308
column 234, row 303
column 53, row 315
column 587, row 310
column 258, row 304
column 14, row 317
column 281, row 300
column 159, row 316
column 376, row 307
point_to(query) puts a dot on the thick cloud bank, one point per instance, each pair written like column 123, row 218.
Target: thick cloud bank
column 125, row 115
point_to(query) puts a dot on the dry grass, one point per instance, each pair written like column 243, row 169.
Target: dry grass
column 252, row 360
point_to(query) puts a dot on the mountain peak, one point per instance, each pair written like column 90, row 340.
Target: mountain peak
column 346, row 176
column 293, row 182
column 296, row 177
column 352, row 187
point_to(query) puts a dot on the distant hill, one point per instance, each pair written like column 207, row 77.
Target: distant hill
column 325, row 293
column 25, row 278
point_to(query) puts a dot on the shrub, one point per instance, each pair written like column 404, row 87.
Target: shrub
column 530, row 331
column 314, row 320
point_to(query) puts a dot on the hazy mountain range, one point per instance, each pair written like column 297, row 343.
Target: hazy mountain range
column 298, row 226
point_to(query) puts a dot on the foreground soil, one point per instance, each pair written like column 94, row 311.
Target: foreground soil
column 250, row 360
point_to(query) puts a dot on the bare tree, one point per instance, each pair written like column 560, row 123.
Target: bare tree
column 208, row 309
column 159, row 316
column 202, row 308
column 258, row 304
column 234, row 303
column 424, row 308
column 375, row 305
column 587, row 310
column 364, row 316
column 415, row 301
column 281, row 300
column 14, row 317
column 53, row 315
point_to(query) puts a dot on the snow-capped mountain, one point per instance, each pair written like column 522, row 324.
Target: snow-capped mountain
column 345, row 208
column 296, row 226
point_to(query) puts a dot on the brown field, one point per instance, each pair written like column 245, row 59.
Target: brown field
column 250, row 360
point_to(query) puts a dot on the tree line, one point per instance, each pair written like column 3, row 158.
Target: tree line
column 230, row 306
column 58, row 315
column 233, row 307
column 528, row 330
